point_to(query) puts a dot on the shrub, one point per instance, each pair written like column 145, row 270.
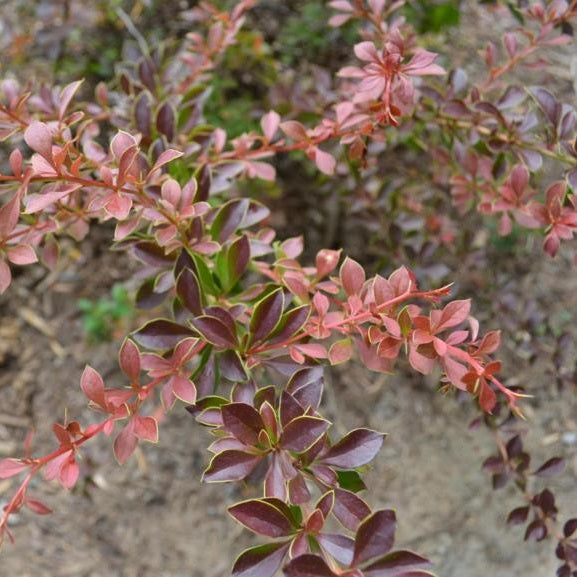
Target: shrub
column 239, row 328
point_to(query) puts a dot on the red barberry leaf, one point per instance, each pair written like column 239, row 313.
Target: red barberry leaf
column 570, row 528
column 145, row 428
column 303, row 432
column 355, row 449
column 551, row 467
column 352, row 276
column 232, row 465
column 536, row 531
column 125, row 444
column 38, row 507
column 162, row 334
column 349, row 509
column 189, row 291
column 518, row 516
column 260, row 561
column 213, row 330
column 243, row 421
column 93, row 387
column 229, row 218
column 39, row 138
column 11, row 467
column 129, row 360
column 375, row 536
column 308, row 566
column 340, row 352
column 266, row 315
column 399, row 564
column 340, row 547
column 294, row 130
column 262, row 517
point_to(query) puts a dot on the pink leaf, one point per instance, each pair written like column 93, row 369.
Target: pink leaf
column 129, row 360
column 21, row 254
column 11, row 467
column 93, row 386
column 125, row 444
column 166, row 157
column 366, row 51
column 294, row 130
column 121, row 142
column 118, row 206
column 184, row 389
column 66, row 96
column 69, row 473
column 269, row 124
column 352, row 276
column 9, row 216
column 38, row 202
column 325, row 162
column 39, row 138
column 340, row 352
column 38, row 507
column 5, row 276
column 145, row 428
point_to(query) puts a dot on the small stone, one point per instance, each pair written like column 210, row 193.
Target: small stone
column 569, row 438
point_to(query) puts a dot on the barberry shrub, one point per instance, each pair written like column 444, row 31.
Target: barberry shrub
column 240, row 329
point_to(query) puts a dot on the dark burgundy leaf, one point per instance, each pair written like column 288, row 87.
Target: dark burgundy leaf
column 214, row 331
column 142, row 112
column 238, row 257
column 266, row 315
column 494, row 464
column 261, row 561
column 256, row 213
column 262, row 517
column 545, row 500
column 231, row 366
column 306, row 386
column 548, row 103
column 146, row 298
column 308, row 566
column 289, row 408
column 514, row 447
column 325, row 504
column 265, row 395
column 150, row 253
column 570, row 527
column 536, row 531
column 355, row 449
column 189, row 291
column 571, row 554
column 298, row 490
column 349, row 509
column 162, row 334
column 551, row 467
column 290, row 324
column 228, row 219
column 243, row 421
column 518, row 516
column 398, row 564
column 338, row 546
column 166, row 120
column 302, row 432
column 230, row 465
column 375, row 536
column 275, row 484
